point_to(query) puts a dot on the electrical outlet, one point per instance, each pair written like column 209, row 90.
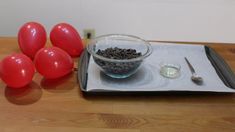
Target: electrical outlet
column 89, row 33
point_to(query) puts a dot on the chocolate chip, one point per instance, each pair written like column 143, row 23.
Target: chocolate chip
column 120, row 68
column 118, row 53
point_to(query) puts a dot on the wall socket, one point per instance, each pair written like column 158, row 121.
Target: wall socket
column 89, row 33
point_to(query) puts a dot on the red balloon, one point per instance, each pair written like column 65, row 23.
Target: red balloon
column 31, row 38
column 17, row 70
column 53, row 62
column 67, row 38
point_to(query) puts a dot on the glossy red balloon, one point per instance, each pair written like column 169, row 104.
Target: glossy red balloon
column 31, row 38
column 17, row 70
column 53, row 62
column 67, row 38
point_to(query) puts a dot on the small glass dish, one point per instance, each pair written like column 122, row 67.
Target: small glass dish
column 119, row 68
column 170, row 70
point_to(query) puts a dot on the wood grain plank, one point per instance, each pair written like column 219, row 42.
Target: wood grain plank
column 63, row 129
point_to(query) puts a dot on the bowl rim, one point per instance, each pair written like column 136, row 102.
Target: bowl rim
column 146, row 43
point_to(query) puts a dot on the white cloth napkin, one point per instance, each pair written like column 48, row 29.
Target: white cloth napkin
column 148, row 77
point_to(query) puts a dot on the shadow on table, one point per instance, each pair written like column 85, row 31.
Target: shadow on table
column 24, row 96
column 60, row 85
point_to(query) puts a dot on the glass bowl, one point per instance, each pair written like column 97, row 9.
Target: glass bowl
column 170, row 69
column 119, row 68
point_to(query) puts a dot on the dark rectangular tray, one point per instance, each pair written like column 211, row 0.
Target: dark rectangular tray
column 222, row 68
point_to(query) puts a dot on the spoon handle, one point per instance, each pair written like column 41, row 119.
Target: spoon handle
column 190, row 66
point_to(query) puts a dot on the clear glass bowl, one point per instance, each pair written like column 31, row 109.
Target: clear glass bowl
column 170, row 69
column 119, row 68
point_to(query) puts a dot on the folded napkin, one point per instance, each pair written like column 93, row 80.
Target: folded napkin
column 148, row 77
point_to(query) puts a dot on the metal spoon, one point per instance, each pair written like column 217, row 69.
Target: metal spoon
column 195, row 78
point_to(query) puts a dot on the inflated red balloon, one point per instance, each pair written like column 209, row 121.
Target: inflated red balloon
column 17, row 70
column 53, row 62
column 67, row 38
column 31, row 38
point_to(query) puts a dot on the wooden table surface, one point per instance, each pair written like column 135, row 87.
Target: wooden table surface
column 59, row 106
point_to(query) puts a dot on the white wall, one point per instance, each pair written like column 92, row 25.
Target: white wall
column 14, row 13
column 178, row 20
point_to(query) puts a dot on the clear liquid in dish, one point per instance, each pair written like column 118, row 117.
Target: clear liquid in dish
column 170, row 71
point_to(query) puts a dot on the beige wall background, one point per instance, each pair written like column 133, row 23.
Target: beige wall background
column 176, row 20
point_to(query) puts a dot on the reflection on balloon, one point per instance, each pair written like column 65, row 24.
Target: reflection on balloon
column 17, row 70
column 67, row 38
column 31, row 38
column 53, row 62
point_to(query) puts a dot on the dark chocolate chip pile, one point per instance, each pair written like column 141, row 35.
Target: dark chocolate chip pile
column 118, row 53
column 118, row 68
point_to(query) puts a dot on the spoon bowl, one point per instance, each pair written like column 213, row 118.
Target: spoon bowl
column 196, row 79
